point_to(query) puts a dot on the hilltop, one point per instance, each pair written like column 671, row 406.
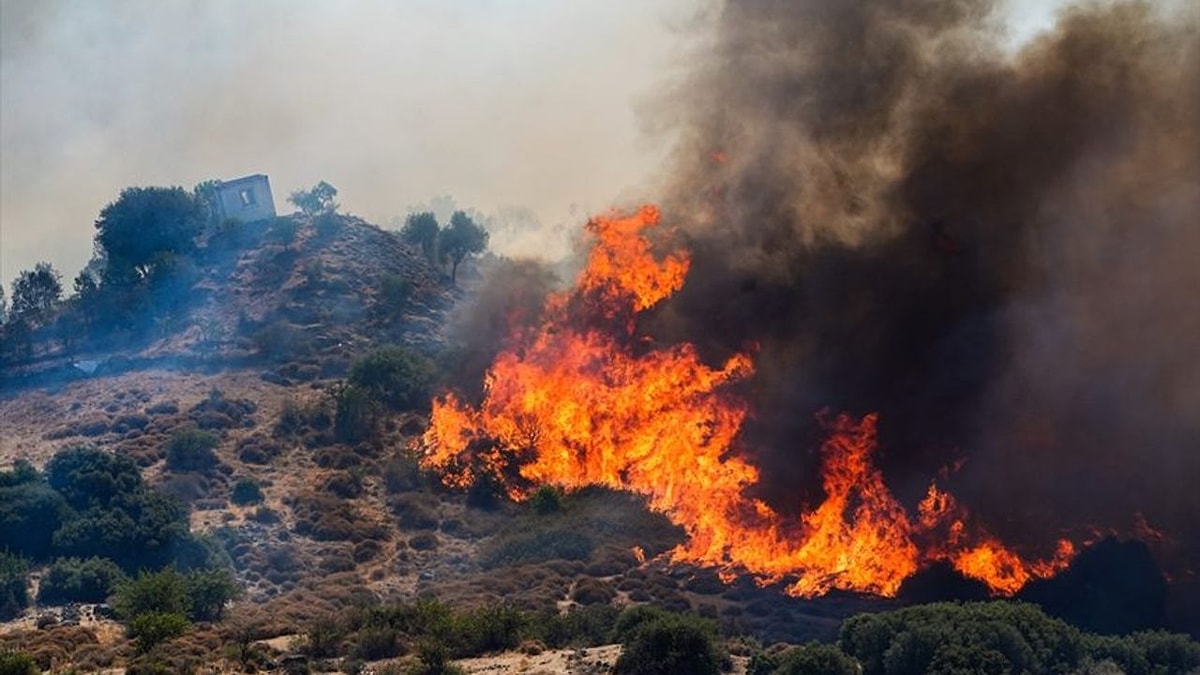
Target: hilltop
column 256, row 354
column 281, row 401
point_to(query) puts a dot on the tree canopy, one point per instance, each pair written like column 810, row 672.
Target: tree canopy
column 316, row 200
column 421, row 229
column 144, row 227
column 462, row 237
column 36, row 291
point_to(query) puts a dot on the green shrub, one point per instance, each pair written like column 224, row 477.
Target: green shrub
column 246, row 491
column 394, row 292
column 398, row 377
column 581, row 626
column 815, row 659
column 283, row 230
column 670, row 645
column 18, row 663
column 14, row 594
column 79, row 580
column 192, row 450
column 152, row 628
column 356, row 413
column 546, row 500
column 1000, row 637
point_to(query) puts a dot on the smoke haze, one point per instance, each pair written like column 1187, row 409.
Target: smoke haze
column 998, row 249
column 499, row 104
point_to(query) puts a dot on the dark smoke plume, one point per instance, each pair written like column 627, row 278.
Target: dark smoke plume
column 998, row 251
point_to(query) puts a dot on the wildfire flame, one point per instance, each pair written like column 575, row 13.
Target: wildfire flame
column 582, row 402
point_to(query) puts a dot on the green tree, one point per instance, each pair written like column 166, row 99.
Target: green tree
column 14, row 595
column 89, row 477
column 78, row 580
column 30, row 513
column 421, row 229
column 462, row 237
column 315, row 201
column 205, row 194
column 165, row 591
column 36, row 292
column 3, row 306
column 139, row 227
column 396, row 376
column 208, row 592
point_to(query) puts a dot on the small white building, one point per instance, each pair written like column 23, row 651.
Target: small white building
column 247, row 199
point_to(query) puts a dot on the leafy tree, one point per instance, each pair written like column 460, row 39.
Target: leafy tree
column 30, row 513
column 462, row 237
column 143, row 224
column 205, row 194
column 3, row 306
column 88, row 477
column 398, row 377
column 317, row 200
column 421, row 229
column 14, row 596
column 36, row 292
column 144, row 529
column 78, row 580
column 208, row 591
column 165, row 591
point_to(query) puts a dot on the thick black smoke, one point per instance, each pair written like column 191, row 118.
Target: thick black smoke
column 998, row 251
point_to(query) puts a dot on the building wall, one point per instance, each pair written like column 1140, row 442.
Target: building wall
column 247, row 199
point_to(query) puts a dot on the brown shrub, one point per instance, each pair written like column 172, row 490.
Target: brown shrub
column 593, row 592
column 343, row 485
column 425, row 541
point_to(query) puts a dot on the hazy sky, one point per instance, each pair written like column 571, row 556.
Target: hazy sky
column 528, row 103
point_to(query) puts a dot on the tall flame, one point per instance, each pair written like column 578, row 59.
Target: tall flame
column 581, row 402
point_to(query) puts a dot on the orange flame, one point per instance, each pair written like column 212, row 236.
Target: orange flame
column 576, row 405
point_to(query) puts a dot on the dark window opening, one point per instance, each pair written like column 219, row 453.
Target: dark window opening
column 247, row 197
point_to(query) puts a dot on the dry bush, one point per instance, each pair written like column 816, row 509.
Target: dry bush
column 163, row 408
column 415, row 511
column 424, row 541
column 344, row 485
column 593, row 592
column 257, row 449
column 337, row 457
column 327, row 518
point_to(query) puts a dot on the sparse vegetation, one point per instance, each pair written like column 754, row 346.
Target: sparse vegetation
column 192, row 450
